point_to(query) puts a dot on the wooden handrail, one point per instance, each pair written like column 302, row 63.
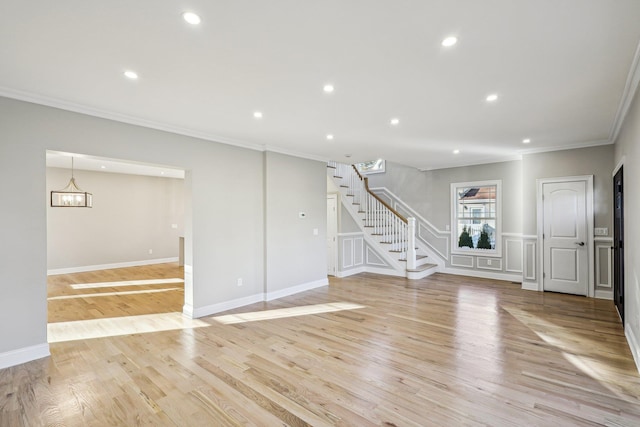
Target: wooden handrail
column 375, row 196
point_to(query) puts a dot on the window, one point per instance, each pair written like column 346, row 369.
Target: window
column 371, row 166
column 476, row 210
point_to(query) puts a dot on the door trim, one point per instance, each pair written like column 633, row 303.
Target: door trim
column 588, row 179
column 337, row 224
column 614, row 266
column 618, row 166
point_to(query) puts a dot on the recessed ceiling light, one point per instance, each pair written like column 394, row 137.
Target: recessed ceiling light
column 526, row 141
column 328, row 88
column 330, row 137
column 103, row 167
column 191, row 18
column 131, row 74
column 162, row 173
column 456, row 151
column 257, row 114
column 395, row 121
column 492, row 97
column 449, row 41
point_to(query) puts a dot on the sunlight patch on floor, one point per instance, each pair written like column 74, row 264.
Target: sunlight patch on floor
column 119, row 326
column 126, row 283
column 110, row 294
column 575, row 350
column 281, row 313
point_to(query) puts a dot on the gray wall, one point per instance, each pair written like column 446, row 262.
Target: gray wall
column 627, row 149
column 429, row 192
column 131, row 214
column 295, row 256
column 224, row 203
column 596, row 161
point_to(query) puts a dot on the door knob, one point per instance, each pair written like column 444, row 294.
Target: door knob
column 580, row 243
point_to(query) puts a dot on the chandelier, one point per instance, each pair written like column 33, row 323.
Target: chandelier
column 71, row 196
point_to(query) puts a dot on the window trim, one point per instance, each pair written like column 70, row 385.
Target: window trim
column 497, row 252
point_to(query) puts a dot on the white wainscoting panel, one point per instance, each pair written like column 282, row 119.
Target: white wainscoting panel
column 438, row 243
column 385, row 197
column 374, row 259
column 462, row 261
column 513, row 255
column 489, row 263
column 603, row 265
column 530, row 260
column 352, row 250
column 347, row 253
column 358, row 251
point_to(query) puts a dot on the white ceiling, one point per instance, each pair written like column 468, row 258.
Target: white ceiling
column 559, row 68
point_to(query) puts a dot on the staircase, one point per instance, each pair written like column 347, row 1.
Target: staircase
column 386, row 230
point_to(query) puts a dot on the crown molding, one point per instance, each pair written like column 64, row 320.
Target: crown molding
column 137, row 121
column 275, row 149
column 119, row 117
column 632, row 83
column 571, row 146
column 475, row 162
column 630, row 88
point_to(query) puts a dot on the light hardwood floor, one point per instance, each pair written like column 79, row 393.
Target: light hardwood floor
column 91, row 300
column 371, row 350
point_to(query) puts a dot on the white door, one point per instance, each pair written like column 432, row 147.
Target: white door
column 332, row 233
column 565, row 244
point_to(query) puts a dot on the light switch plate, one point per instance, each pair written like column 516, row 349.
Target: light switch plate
column 601, row 231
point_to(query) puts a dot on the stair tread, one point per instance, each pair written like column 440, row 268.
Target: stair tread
column 422, row 268
column 417, row 257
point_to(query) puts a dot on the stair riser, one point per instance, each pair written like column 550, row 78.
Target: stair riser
column 421, row 274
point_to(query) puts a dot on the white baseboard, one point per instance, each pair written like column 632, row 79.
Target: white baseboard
column 109, row 266
column 530, row 286
column 384, row 271
column 350, row 272
column 604, row 294
column 24, row 355
column 484, row 274
column 187, row 311
column 369, row 269
column 270, row 296
column 208, row 310
column 633, row 345
column 194, row 313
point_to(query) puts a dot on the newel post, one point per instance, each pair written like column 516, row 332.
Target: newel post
column 411, row 242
